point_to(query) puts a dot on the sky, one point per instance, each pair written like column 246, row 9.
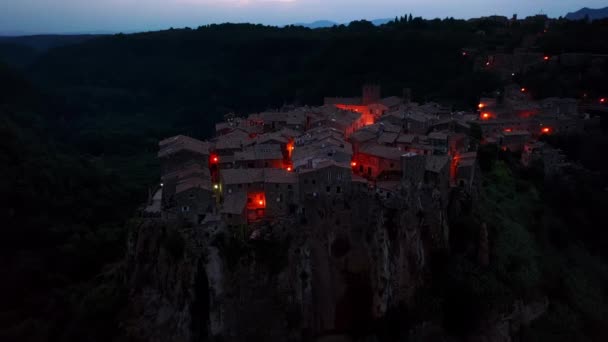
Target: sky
column 81, row 16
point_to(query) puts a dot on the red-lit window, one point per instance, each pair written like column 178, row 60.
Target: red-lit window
column 256, row 200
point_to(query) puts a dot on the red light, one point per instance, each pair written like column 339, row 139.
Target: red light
column 523, row 90
column 487, row 63
column 353, row 164
column 546, row 58
column 485, row 115
column 289, row 168
column 508, row 130
column 603, row 100
column 215, row 159
column 546, row 130
column 464, row 53
column 481, row 105
column 261, row 202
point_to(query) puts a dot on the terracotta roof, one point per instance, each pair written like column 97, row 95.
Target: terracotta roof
column 181, row 142
column 362, row 135
column 438, row 136
column 391, row 101
column 234, row 203
column 241, row 176
column 436, row 163
column 388, row 138
column 326, row 163
column 381, row 151
column 407, row 138
column 233, row 140
column 193, row 182
column 273, row 116
column 271, row 137
column 222, row 125
column 260, row 152
column 280, row 176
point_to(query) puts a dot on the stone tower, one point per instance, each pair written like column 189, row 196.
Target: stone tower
column 407, row 95
column 371, row 94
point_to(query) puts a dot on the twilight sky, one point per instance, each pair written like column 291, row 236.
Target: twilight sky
column 64, row 16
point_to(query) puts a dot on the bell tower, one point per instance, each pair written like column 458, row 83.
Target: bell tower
column 371, row 94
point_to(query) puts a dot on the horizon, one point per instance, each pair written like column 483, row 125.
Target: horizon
column 30, row 17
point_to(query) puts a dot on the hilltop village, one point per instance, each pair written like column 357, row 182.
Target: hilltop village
column 268, row 165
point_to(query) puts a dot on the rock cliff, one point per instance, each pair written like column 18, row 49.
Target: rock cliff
column 335, row 271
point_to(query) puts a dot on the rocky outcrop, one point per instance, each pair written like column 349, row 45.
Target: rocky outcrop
column 337, row 271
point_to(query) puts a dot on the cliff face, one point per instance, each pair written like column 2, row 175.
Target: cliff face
column 336, row 271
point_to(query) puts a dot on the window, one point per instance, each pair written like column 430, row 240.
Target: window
column 240, row 186
column 276, row 186
column 185, row 209
column 306, row 181
column 328, row 189
column 392, row 165
column 250, row 165
column 314, row 181
column 191, row 196
column 338, row 190
column 265, row 164
column 289, row 186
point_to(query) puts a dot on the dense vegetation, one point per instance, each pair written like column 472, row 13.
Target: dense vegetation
column 80, row 124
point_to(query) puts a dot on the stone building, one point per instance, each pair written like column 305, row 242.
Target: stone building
column 374, row 161
column 194, row 199
column 180, row 151
column 260, row 156
column 329, row 180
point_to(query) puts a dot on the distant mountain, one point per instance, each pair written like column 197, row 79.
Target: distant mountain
column 329, row 23
column 593, row 14
column 379, row 22
column 318, row 24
